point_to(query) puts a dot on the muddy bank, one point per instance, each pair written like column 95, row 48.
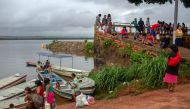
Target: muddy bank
column 158, row 99
column 67, row 47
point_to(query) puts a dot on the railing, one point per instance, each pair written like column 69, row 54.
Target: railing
column 130, row 26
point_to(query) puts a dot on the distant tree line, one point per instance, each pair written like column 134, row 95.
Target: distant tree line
column 186, row 3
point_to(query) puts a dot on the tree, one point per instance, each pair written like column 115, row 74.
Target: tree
column 186, row 3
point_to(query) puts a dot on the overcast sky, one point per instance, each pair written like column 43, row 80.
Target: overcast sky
column 75, row 17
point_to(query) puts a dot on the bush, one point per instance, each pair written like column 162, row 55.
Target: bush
column 89, row 46
column 110, row 77
column 153, row 71
column 107, row 43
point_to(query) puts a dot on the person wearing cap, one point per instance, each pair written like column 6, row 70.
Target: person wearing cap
column 172, row 68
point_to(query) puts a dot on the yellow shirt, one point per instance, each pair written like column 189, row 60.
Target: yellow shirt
column 179, row 33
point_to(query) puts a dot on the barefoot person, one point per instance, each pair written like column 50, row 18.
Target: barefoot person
column 172, row 67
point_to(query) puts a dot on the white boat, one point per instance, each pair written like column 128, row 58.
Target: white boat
column 15, row 90
column 12, row 81
column 86, row 85
column 69, row 69
column 63, row 71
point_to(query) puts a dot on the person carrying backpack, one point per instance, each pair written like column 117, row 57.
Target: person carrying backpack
column 40, row 91
column 34, row 101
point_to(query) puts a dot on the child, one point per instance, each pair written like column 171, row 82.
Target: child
column 165, row 41
column 172, row 67
column 150, row 39
column 124, row 32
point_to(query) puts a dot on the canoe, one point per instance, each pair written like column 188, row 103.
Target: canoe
column 17, row 101
column 31, row 64
column 12, row 81
column 65, row 90
column 15, row 90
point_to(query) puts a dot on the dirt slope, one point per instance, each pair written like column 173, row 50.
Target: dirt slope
column 159, row 99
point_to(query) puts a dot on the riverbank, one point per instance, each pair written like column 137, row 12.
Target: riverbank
column 67, row 47
column 158, row 99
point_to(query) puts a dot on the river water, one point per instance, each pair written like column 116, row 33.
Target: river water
column 15, row 54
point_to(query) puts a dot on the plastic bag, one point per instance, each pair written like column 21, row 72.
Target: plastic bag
column 81, row 100
column 84, row 100
column 90, row 100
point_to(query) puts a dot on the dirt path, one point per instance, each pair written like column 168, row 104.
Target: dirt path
column 159, row 99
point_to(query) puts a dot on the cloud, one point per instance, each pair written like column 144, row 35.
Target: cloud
column 74, row 17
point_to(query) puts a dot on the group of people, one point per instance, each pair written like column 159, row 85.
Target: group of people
column 41, row 96
column 161, row 31
column 104, row 24
column 44, row 67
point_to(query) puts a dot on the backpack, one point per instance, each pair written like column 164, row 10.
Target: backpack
column 37, row 100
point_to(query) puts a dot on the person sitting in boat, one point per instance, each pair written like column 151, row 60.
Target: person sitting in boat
column 74, row 83
column 47, row 64
column 57, row 85
column 39, row 66
column 12, row 106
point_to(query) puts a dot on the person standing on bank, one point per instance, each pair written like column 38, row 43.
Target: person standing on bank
column 148, row 25
column 98, row 22
column 179, row 36
column 172, row 68
column 49, row 93
column 141, row 25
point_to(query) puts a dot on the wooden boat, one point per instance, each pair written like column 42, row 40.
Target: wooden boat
column 12, row 81
column 31, row 64
column 65, row 90
column 86, row 85
column 17, row 101
column 63, row 71
column 69, row 71
column 15, row 90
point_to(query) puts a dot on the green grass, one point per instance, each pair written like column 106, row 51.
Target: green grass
column 144, row 71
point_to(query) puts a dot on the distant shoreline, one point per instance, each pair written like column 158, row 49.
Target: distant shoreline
column 43, row 38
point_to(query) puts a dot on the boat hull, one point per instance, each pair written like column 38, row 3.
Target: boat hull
column 15, row 91
column 87, row 91
column 30, row 64
column 63, row 94
column 13, row 83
